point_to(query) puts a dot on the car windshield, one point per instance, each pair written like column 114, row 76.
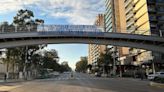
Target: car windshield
column 81, row 45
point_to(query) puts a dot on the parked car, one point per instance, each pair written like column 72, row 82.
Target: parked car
column 157, row 74
column 55, row 74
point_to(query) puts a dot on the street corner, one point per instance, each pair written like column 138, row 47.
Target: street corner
column 154, row 84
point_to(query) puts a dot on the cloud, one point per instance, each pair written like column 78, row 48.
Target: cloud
column 7, row 6
column 74, row 11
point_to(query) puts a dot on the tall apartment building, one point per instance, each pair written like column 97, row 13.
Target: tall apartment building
column 144, row 17
column 115, row 21
column 96, row 50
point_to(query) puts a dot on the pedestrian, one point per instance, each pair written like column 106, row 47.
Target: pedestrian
column 5, row 77
column 134, row 73
column 142, row 74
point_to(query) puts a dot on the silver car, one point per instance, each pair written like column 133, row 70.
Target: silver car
column 152, row 76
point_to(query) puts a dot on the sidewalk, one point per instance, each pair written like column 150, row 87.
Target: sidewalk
column 10, row 81
column 135, row 79
column 2, row 82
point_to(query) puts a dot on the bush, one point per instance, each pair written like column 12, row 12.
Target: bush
column 158, row 80
column 128, row 74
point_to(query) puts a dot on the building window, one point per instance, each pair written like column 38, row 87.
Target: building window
column 160, row 1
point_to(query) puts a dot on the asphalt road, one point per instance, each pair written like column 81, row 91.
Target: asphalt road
column 81, row 83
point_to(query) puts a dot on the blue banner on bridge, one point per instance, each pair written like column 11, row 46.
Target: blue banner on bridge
column 76, row 30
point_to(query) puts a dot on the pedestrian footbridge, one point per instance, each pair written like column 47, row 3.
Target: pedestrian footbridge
column 83, row 34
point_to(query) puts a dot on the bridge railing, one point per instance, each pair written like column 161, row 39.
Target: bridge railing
column 46, row 28
column 68, row 28
column 11, row 29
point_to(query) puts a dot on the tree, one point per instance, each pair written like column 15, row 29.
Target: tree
column 49, row 60
column 10, row 59
column 81, row 66
column 104, row 60
column 65, row 67
column 24, row 22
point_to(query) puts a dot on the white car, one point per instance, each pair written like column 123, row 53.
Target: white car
column 152, row 76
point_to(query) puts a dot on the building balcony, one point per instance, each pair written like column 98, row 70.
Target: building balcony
column 152, row 18
column 127, row 2
column 129, row 16
column 153, row 25
column 151, row 1
column 107, row 3
column 129, row 23
column 131, row 29
column 160, row 11
column 108, row 10
column 151, row 9
column 129, row 8
column 135, row 2
column 160, row 2
column 160, row 21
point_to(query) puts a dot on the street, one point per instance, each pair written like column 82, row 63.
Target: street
column 81, row 83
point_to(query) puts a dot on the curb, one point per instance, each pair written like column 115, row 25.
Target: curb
column 157, row 84
column 10, row 81
column 13, row 81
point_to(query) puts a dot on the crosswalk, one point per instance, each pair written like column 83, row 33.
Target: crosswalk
column 77, row 78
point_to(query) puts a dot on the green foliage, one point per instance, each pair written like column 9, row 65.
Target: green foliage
column 159, row 79
column 25, row 17
column 49, row 60
column 23, row 20
column 65, row 67
column 104, row 59
column 45, row 59
column 81, row 66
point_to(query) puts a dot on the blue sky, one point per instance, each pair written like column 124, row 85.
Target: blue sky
column 58, row 12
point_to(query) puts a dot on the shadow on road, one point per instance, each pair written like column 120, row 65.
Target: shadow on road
column 113, row 85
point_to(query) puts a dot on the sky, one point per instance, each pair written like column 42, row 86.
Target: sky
column 64, row 12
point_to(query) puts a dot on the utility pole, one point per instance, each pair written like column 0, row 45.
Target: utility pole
column 115, row 30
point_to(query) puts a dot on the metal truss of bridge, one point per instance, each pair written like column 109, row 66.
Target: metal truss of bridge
column 84, row 34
